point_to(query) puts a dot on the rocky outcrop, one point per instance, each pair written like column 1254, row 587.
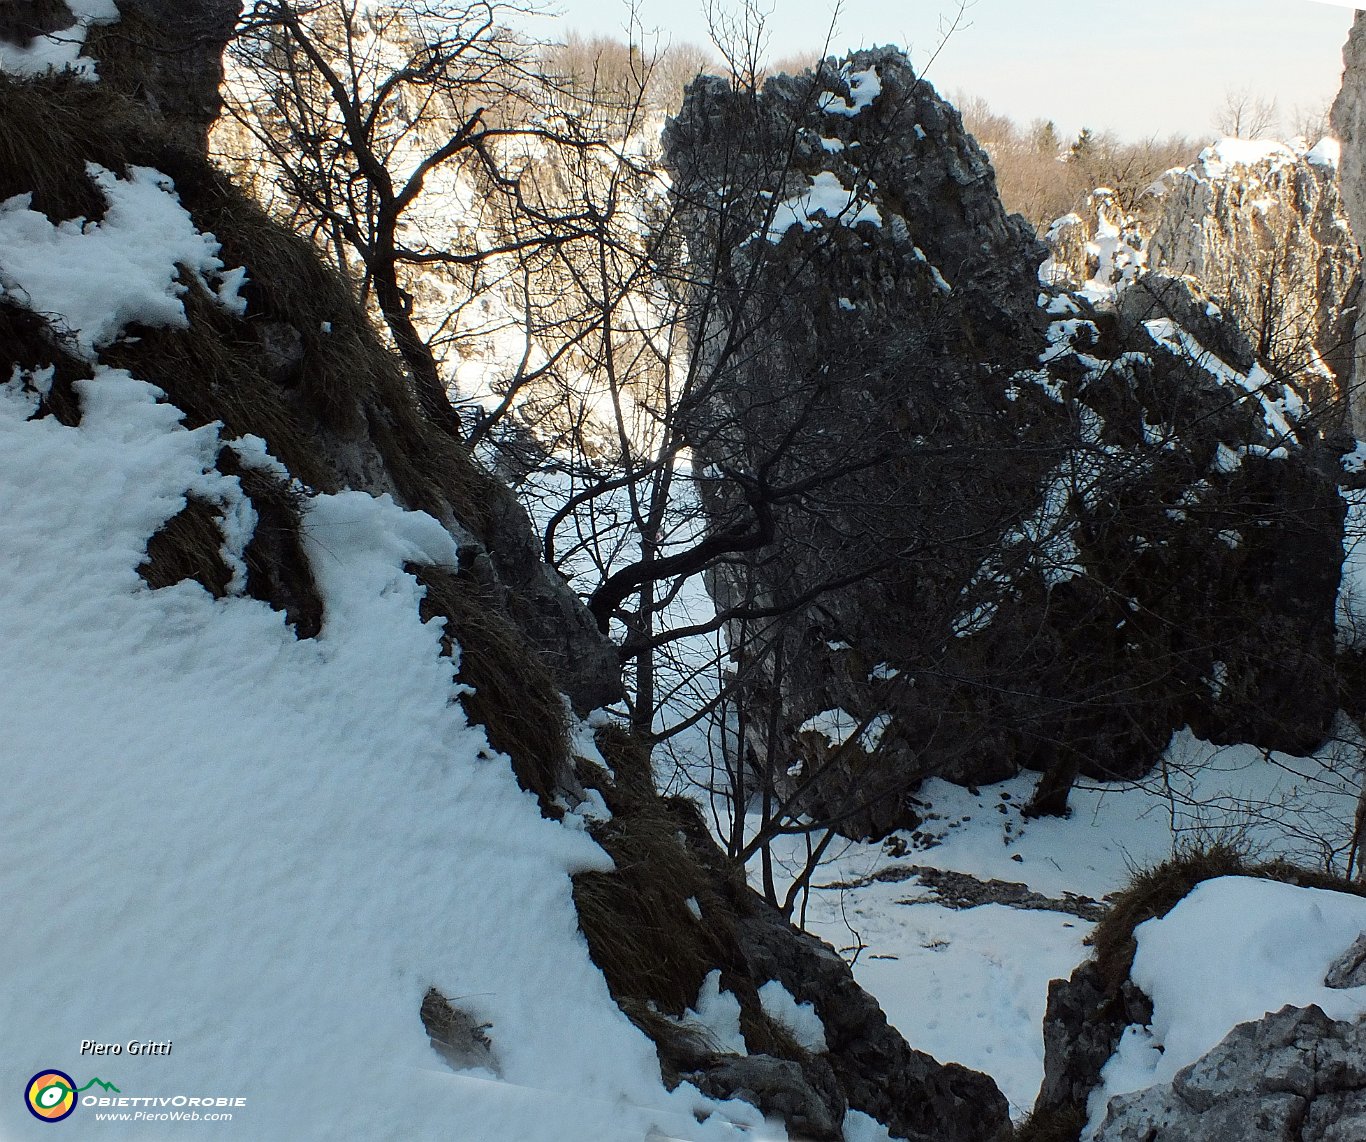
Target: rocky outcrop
column 915, row 1097
column 998, row 528
column 1349, row 969
column 1097, row 250
column 1263, row 228
column 674, row 911
column 1293, row 1076
column 164, row 54
column 1349, row 124
column 1082, row 1027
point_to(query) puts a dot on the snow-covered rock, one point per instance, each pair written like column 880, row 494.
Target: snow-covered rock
column 1021, row 482
column 1262, row 227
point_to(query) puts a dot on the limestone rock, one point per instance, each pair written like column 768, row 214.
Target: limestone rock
column 1081, row 1029
column 1009, row 529
column 1349, row 124
column 779, row 1088
column 1349, row 969
column 1262, row 227
column 1293, row 1076
column 914, row 1096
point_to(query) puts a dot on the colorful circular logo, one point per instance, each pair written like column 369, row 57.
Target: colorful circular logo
column 51, row 1095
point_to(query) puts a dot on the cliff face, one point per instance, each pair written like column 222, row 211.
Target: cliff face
column 997, row 507
column 1263, row 228
column 1349, row 124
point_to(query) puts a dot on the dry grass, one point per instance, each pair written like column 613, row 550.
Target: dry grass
column 349, row 384
column 652, row 950
column 515, row 699
column 1064, row 1124
column 347, row 399
column 1155, row 891
column 29, row 343
column 278, row 571
column 189, row 545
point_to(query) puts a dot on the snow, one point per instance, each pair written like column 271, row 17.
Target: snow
column 798, row 1018
column 837, row 726
column 262, row 849
column 1234, row 950
column 1217, row 159
column 864, row 87
column 101, row 276
column 826, row 196
column 1327, row 152
column 60, row 51
column 716, row 1014
column 1277, row 411
column 971, row 985
column 860, row 1127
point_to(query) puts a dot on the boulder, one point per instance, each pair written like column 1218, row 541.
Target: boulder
column 1292, row 1076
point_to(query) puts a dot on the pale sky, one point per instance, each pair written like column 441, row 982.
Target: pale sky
column 1139, row 67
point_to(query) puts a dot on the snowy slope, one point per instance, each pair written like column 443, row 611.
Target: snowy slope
column 262, row 850
column 970, row 985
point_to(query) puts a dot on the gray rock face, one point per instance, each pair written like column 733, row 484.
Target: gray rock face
column 1008, row 530
column 1270, row 240
column 1349, row 124
column 1263, row 229
column 1349, row 969
column 1081, row 1029
column 779, row 1088
column 1295, row 1076
column 914, row 1096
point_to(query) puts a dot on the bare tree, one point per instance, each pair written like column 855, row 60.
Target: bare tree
column 365, row 116
column 1246, row 115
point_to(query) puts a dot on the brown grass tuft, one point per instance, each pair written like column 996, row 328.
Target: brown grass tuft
column 278, row 571
column 348, row 383
column 1155, row 891
column 1063, row 1124
column 653, row 952
column 514, row 699
column 31, row 345
column 189, row 545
